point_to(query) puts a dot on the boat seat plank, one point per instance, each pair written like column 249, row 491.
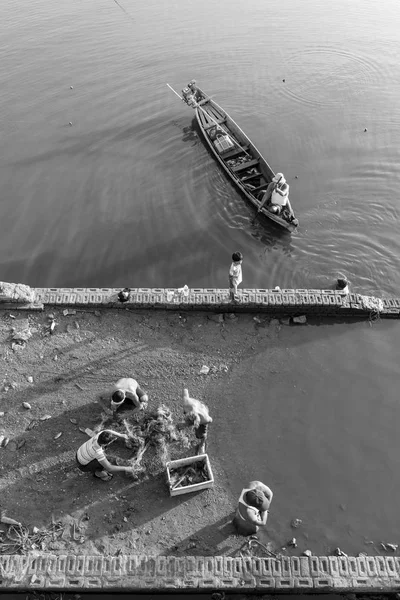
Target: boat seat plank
column 235, row 152
column 247, row 165
column 219, row 122
column 248, row 177
column 260, row 188
column 215, row 113
column 203, row 119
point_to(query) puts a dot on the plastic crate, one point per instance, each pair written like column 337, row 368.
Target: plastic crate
column 183, row 462
column 223, row 143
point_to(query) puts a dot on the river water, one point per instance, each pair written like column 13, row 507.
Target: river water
column 128, row 195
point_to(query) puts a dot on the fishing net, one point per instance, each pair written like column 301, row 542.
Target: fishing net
column 150, row 438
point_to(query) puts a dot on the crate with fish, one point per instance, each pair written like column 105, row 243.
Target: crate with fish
column 190, row 474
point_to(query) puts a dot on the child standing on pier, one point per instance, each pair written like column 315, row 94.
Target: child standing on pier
column 235, row 274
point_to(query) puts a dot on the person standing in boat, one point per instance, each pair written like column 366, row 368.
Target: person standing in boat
column 276, row 197
column 189, row 93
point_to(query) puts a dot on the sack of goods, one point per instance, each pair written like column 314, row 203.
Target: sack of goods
column 223, row 143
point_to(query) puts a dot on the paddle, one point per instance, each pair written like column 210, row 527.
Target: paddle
column 197, row 105
column 259, row 210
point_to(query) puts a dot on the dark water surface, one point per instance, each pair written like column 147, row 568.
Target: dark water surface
column 128, row 195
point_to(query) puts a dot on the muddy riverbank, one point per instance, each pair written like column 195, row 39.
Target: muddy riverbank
column 273, row 400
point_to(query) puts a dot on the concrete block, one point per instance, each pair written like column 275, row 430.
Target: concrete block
column 391, row 566
column 353, row 566
column 305, row 566
column 323, row 582
column 381, row 566
column 93, row 566
column 265, row 583
column 55, row 582
column 284, row 582
column 75, row 582
column 59, row 298
column 93, row 583
column 343, row 563
column 303, row 582
column 82, row 299
column 295, row 566
column 276, row 567
column 286, row 566
column 271, row 299
column 209, row 582
column 372, row 570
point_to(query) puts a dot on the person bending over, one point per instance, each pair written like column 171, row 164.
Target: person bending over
column 253, row 507
column 91, row 458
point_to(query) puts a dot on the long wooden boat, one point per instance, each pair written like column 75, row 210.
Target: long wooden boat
column 236, row 154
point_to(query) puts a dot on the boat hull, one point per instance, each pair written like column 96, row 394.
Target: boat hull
column 211, row 116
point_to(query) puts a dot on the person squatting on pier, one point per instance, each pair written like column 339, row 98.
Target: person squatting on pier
column 196, row 413
column 253, row 508
column 235, row 274
column 91, row 458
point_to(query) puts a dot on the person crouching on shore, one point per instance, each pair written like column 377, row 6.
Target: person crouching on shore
column 91, row 458
column 127, row 395
column 253, row 507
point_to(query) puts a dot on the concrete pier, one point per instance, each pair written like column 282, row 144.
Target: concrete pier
column 292, row 302
column 244, row 574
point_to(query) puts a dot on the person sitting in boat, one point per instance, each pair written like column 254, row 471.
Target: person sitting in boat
column 189, row 93
column 276, row 197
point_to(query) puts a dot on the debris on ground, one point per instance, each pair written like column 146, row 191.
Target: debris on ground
column 52, row 325
column 301, row 320
column 189, row 475
column 296, row 523
column 293, row 543
column 45, row 417
column 7, row 520
column 29, row 379
column 307, row 553
column 339, row 552
column 285, row 320
column 21, row 331
column 217, row 318
column 19, row 540
column 26, row 405
column 253, row 544
column 68, row 311
column 204, row 370
column 58, row 435
column 392, row 547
